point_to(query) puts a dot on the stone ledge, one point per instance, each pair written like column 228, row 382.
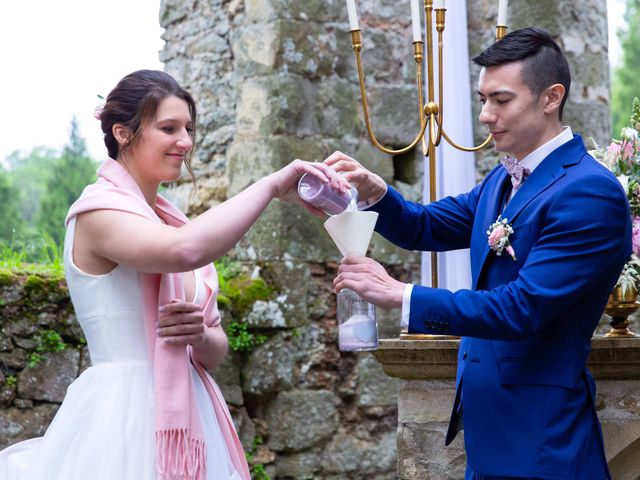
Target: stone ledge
column 610, row 358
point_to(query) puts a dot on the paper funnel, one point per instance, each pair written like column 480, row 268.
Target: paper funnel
column 352, row 231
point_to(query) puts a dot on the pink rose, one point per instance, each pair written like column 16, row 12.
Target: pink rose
column 511, row 252
column 614, row 149
column 635, row 235
column 496, row 235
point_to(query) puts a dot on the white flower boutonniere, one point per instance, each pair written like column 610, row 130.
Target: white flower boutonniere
column 499, row 233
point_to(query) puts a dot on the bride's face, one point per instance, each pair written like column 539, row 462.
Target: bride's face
column 164, row 142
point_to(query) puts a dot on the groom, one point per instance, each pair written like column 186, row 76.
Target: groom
column 539, row 286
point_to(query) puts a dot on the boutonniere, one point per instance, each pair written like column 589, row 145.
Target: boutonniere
column 499, row 233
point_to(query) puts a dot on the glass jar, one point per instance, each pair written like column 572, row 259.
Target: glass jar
column 357, row 326
column 322, row 196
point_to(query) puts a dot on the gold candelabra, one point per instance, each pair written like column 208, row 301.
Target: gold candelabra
column 430, row 112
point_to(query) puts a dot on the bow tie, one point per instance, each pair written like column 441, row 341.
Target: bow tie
column 518, row 173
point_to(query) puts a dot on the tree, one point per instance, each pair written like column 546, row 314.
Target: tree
column 10, row 221
column 29, row 172
column 625, row 84
column 68, row 176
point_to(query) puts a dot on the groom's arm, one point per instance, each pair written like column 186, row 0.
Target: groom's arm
column 439, row 226
column 579, row 252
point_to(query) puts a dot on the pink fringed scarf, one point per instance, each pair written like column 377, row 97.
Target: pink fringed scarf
column 180, row 450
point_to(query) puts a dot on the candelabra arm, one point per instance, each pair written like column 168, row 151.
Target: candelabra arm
column 418, row 54
column 466, row 149
column 357, row 48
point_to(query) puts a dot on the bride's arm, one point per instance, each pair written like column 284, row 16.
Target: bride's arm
column 147, row 246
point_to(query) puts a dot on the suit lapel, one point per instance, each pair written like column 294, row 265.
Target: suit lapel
column 497, row 196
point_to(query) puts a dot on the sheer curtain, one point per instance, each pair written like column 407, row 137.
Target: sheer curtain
column 455, row 170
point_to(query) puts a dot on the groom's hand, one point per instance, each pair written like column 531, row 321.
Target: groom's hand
column 371, row 187
column 370, row 280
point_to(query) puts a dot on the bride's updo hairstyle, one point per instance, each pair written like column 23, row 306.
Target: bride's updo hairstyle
column 134, row 102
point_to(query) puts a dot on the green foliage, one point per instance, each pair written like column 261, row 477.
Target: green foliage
column 48, row 341
column 625, row 84
column 69, row 175
column 241, row 339
column 31, row 254
column 34, row 360
column 238, row 292
column 11, row 381
column 10, row 220
column 51, row 341
column 258, row 472
column 30, row 172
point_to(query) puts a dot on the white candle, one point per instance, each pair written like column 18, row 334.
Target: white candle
column 438, row 5
column 353, row 15
column 415, row 21
column 502, row 12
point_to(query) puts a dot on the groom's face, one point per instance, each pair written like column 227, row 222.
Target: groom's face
column 514, row 115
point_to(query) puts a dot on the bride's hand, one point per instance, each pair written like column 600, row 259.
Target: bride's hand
column 285, row 181
column 181, row 323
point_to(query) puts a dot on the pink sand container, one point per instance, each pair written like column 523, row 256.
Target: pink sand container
column 322, row 196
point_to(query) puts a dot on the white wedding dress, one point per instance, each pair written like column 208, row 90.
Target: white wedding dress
column 104, row 429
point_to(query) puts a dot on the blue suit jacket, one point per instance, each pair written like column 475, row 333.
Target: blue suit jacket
column 522, row 383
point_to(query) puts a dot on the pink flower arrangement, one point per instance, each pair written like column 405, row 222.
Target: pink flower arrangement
column 499, row 233
column 635, row 236
column 622, row 157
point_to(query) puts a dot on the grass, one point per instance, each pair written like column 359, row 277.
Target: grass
column 36, row 253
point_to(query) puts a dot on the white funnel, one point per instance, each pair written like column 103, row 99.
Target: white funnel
column 352, row 231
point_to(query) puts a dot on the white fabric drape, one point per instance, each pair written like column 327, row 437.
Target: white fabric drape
column 455, row 170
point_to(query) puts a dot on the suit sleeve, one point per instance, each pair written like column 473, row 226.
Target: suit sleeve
column 579, row 252
column 439, row 226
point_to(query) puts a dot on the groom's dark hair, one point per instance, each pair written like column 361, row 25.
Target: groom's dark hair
column 543, row 62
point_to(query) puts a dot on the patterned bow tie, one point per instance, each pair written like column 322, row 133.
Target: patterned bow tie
column 518, row 173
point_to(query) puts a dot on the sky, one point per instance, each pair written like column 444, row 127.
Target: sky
column 58, row 56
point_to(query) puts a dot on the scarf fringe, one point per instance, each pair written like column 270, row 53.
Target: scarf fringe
column 178, row 456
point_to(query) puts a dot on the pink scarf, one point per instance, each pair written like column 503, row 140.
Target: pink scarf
column 180, row 450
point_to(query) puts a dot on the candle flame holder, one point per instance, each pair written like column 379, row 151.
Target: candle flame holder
column 430, row 112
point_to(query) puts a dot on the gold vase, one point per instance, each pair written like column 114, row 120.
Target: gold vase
column 621, row 304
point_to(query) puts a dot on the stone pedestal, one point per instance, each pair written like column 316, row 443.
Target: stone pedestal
column 428, row 367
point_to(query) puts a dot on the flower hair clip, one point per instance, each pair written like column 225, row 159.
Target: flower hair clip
column 499, row 233
column 97, row 112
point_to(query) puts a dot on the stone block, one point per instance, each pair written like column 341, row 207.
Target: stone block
column 270, row 367
column 338, row 108
column 348, row 454
column 244, row 426
column 301, row 465
column 423, row 455
column 227, row 376
column 291, row 280
column 276, row 104
column 300, row 419
column 309, row 10
column 394, row 116
column 48, row 381
column 423, row 402
column 17, row 425
column 255, row 48
column 375, row 388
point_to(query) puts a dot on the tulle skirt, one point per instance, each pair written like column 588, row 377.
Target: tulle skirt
column 104, row 430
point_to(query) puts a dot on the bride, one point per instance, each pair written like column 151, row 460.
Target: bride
column 147, row 409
